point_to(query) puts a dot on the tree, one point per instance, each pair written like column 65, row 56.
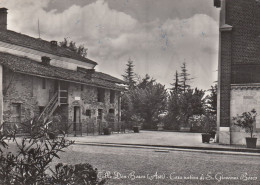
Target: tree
column 184, row 78
column 146, row 82
column 171, row 120
column 184, row 105
column 246, row 121
column 176, row 84
column 149, row 102
column 191, row 103
column 71, row 45
column 212, row 100
column 129, row 74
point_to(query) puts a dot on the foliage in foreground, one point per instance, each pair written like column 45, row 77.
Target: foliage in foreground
column 246, row 121
column 29, row 162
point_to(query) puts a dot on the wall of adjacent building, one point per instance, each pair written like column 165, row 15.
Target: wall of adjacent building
column 244, row 99
column 239, row 56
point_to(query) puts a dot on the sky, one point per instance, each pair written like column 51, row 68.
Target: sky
column 158, row 36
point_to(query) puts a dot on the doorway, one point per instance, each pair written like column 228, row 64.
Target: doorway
column 76, row 118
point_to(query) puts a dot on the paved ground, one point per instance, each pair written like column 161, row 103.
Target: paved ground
column 151, row 166
column 153, row 138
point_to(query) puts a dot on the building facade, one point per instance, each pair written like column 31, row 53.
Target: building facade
column 239, row 67
column 39, row 79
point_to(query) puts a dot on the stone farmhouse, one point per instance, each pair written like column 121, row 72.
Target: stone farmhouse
column 40, row 79
column 239, row 67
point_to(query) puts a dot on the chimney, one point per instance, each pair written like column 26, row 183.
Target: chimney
column 217, row 3
column 46, row 60
column 54, row 43
column 3, row 18
column 87, row 72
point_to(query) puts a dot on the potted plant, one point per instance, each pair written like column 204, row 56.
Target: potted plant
column 246, row 121
column 208, row 124
column 136, row 129
column 107, row 131
column 137, row 122
column 110, row 119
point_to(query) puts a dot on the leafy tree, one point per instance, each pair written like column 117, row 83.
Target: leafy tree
column 129, row 74
column 149, row 102
column 212, row 100
column 184, row 105
column 71, row 45
column 184, row 78
column 191, row 103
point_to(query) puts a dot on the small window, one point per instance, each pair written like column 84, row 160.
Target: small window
column 112, row 96
column 100, row 114
column 43, row 83
column 16, row 113
column 82, row 87
column 100, row 95
column 41, row 108
column 88, row 113
column 111, row 111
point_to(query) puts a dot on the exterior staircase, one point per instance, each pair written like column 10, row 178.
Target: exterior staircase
column 50, row 108
column 58, row 99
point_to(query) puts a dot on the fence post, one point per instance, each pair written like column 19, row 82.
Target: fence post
column 75, row 129
column 81, row 127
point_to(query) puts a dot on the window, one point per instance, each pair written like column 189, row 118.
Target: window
column 41, row 108
column 43, row 83
column 111, row 111
column 88, row 113
column 82, row 87
column 100, row 114
column 16, row 113
column 101, row 95
column 112, row 96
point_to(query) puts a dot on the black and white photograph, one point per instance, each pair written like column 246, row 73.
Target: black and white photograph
column 142, row 92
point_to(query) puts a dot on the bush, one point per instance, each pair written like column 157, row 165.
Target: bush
column 246, row 121
column 203, row 123
column 28, row 165
column 171, row 123
column 75, row 174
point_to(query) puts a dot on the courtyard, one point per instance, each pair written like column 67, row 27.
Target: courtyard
column 153, row 138
column 151, row 166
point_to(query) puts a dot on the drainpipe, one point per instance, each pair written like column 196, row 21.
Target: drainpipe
column 1, row 95
column 119, row 107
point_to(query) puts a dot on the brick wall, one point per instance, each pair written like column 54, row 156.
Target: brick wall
column 225, row 80
column 239, row 47
column 244, row 16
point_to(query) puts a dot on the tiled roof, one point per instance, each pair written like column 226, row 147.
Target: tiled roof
column 31, row 67
column 40, row 45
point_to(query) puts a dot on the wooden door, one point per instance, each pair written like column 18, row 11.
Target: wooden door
column 76, row 119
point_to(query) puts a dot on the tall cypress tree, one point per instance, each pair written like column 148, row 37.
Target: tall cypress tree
column 176, row 84
column 184, row 78
column 129, row 74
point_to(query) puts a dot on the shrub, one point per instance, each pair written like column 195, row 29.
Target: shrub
column 75, row 174
column 28, row 165
column 203, row 123
column 246, row 121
